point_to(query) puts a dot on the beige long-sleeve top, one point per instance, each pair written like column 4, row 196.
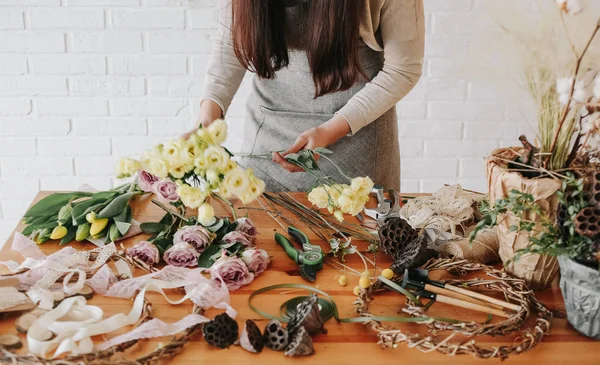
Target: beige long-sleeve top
column 394, row 27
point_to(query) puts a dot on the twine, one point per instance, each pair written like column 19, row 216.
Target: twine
column 484, row 247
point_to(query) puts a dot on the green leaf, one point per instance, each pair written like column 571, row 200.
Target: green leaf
column 123, row 227
column 122, row 217
column 117, row 205
column 153, row 228
column 323, row 151
column 216, row 226
column 28, row 230
column 70, row 236
column 228, row 151
column 514, row 228
column 167, row 219
column 51, row 204
column 206, row 257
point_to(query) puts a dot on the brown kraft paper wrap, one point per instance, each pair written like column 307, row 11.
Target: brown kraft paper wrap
column 537, row 270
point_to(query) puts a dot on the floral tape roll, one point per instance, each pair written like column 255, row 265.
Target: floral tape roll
column 484, row 247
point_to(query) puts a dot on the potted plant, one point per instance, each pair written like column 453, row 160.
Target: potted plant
column 573, row 236
column 567, row 140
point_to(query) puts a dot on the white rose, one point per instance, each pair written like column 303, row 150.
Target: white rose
column 218, row 131
column 127, row 167
column 206, row 214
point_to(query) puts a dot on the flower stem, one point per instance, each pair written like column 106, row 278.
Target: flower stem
column 163, row 207
column 336, row 166
column 231, row 207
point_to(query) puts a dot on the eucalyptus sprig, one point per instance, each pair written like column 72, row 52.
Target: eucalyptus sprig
column 546, row 236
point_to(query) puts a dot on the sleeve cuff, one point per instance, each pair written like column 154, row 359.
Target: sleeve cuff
column 216, row 99
column 355, row 117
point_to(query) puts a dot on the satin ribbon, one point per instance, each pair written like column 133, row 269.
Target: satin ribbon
column 74, row 322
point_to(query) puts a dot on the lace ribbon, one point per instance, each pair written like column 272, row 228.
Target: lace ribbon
column 438, row 215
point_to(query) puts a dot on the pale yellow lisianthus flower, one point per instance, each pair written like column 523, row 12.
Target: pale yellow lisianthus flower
column 216, row 157
column 231, row 164
column 350, row 205
column 236, row 182
column 196, row 145
column 336, row 190
column 178, row 172
column 218, row 131
column 339, row 215
column 205, row 136
column 255, row 189
column 319, row 197
column 206, row 214
column 362, row 186
column 191, row 197
column 127, row 167
column 174, row 151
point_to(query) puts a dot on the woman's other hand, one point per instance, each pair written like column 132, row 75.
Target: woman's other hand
column 209, row 112
column 322, row 136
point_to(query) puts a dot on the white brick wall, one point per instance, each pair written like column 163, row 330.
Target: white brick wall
column 85, row 81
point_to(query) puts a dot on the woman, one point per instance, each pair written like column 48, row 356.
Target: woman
column 327, row 73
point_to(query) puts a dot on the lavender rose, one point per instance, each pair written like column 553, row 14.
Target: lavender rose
column 181, row 254
column 234, row 237
column 166, row 190
column 197, row 236
column 246, row 226
column 144, row 251
column 146, row 181
column 256, row 260
column 233, row 271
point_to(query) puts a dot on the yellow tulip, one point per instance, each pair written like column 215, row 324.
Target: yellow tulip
column 98, row 225
column 90, row 217
column 58, row 232
column 83, row 232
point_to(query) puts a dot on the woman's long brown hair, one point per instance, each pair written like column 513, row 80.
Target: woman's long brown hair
column 258, row 30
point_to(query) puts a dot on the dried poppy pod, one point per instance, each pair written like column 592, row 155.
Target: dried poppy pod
column 251, row 338
column 275, row 336
column 394, row 235
column 414, row 254
column 307, row 315
column 587, row 222
column 301, row 344
column 221, row 332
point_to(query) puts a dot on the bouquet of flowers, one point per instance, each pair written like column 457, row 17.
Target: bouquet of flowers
column 185, row 172
column 338, row 198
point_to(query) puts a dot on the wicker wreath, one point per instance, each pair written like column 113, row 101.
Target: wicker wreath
column 515, row 289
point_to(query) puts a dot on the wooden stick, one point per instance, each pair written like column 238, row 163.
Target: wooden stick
column 453, row 294
column 484, row 297
column 468, row 305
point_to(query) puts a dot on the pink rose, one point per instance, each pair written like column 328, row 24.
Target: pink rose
column 197, row 236
column 146, row 181
column 181, row 254
column 234, row 237
column 256, row 260
column 233, row 271
column 166, row 191
column 246, row 226
column 145, row 251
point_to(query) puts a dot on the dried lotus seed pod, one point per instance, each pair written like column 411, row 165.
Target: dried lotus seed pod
column 307, row 315
column 221, row 332
column 587, row 222
column 414, row 254
column 275, row 336
column 394, row 235
column 251, row 338
column 301, row 344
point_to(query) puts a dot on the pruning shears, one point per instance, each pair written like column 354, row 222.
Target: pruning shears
column 309, row 259
column 386, row 208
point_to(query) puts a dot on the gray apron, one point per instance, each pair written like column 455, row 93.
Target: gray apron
column 278, row 110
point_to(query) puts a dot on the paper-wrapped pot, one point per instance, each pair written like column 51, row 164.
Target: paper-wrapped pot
column 537, row 270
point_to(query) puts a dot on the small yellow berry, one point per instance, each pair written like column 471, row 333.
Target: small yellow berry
column 343, row 280
column 356, row 290
column 387, row 273
column 364, row 283
column 365, row 274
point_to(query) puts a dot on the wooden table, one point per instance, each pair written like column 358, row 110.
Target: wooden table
column 344, row 343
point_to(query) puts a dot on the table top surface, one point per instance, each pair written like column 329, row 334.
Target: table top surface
column 345, row 343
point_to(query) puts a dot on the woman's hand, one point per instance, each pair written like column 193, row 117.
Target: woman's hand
column 322, row 136
column 209, row 112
